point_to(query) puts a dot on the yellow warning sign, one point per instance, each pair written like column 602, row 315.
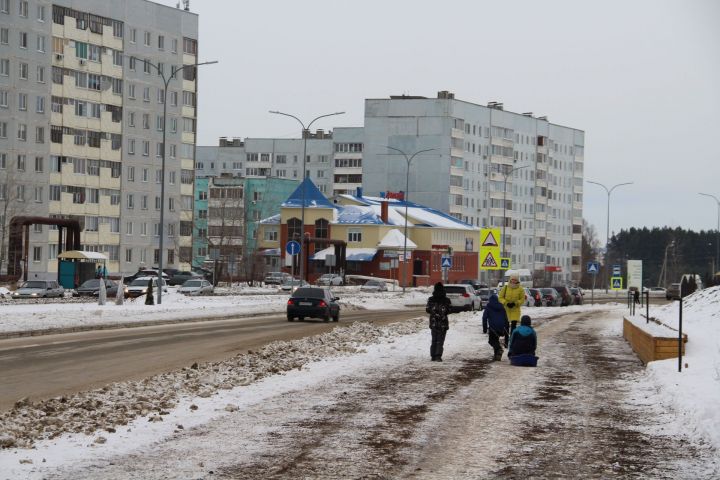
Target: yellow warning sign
column 488, row 259
column 489, row 237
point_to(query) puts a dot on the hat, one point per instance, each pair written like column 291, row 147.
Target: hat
column 514, row 277
column 525, row 320
column 439, row 289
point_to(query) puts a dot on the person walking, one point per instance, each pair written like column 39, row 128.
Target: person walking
column 523, row 343
column 438, row 306
column 495, row 324
column 512, row 295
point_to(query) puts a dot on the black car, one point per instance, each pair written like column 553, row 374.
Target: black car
column 484, row 294
column 566, row 298
column 91, row 288
column 313, row 302
column 551, row 297
column 475, row 283
column 180, row 277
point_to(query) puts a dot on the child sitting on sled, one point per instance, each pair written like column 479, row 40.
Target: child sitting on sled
column 523, row 343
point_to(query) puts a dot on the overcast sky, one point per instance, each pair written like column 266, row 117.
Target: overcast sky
column 641, row 78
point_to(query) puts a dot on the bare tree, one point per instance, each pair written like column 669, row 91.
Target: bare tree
column 13, row 202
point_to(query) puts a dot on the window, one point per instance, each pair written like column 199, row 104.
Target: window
column 131, row 63
column 148, row 39
column 174, row 44
column 5, row 6
column 354, row 235
column 161, row 42
column 39, row 164
column 146, row 148
column 145, row 175
column 23, row 71
column 40, row 104
column 131, row 146
column 94, row 53
column 21, row 162
column 131, row 91
column 146, row 121
column 130, row 203
column 190, row 46
column 38, row 194
column 3, row 98
column 40, row 43
column 22, row 132
column 293, row 226
column 41, row 13
column 23, row 40
column 22, row 101
column 4, row 36
column 146, row 94
column 40, row 74
column 133, row 35
column 4, row 67
column 161, row 96
column 39, row 134
column 174, row 99
column 54, row 194
column 37, row 254
column 3, row 130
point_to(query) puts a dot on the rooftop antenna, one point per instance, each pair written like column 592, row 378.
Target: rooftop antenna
column 186, row 4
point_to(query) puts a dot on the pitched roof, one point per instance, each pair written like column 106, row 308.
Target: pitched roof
column 308, row 192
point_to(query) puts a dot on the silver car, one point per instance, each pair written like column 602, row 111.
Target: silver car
column 196, row 286
column 330, row 279
column 39, row 289
column 374, row 286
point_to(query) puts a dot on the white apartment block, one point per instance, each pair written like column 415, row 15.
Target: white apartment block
column 333, row 159
column 487, row 167
column 81, row 123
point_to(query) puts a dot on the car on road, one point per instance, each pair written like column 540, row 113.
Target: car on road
column 566, row 298
column 276, row 278
column 91, row 288
column 330, row 279
column 182, row 276
column 484, row 294
column 551, row 297
column 374, row 286
column 139, row 286
column 673, row 292
column 476, row 284
column 290, row 283
column 462, row 297
column 655, row 292
column 313, row 302
column 537, row 297
column 576, row 296
column 196, row 286
column 39, row 289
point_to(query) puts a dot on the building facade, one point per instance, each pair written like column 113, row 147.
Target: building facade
column 487, row 167
column 81, row 126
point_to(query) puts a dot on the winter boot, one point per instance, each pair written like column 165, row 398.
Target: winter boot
column 498, row 355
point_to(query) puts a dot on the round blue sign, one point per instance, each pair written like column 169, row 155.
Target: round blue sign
column 292, row 247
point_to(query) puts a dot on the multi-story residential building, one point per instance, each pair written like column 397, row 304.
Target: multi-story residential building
column 487, row 167
column 81, row 124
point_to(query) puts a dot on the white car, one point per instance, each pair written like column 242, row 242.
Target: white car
column 196, row 286
column 139, row 286
column 655, row 292
column 39, row 289
column 330, row 279
column 374, row 286
column 462, row 297
column 290, row 283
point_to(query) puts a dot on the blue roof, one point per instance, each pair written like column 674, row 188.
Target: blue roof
column 358, row 215
column 312, row 196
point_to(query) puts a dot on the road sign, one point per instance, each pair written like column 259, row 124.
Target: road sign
column 489, row 237
column 489, row 262
column 446, row 262
column 616, row 283
column 593, row 268
column 292, row 247
column 617, row 270
column 504, row 263
column 634, row 274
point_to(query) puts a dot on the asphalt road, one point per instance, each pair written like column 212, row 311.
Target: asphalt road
column 51, row 365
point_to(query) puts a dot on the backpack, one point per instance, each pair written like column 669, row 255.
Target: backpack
column 438, row 314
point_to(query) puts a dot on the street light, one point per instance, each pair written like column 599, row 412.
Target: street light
column 407, row 195
column 166, row 81
column 506, row 175
column 717, row 235
column 607, row 235
column 305, row 132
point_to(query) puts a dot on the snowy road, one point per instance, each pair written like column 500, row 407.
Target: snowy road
column 390, row 413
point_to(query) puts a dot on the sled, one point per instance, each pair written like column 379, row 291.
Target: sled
column 525, row 360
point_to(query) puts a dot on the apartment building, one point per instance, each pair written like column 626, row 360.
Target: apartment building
column 487, row 167
column 81, row 126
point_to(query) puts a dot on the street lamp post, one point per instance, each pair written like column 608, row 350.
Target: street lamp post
column 716, row 265
column 166, row 82
column 407, row 195
column 305, row 132
column 607, row 232
column 506, row 175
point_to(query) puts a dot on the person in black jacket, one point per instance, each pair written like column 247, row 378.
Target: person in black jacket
column 523, row 340
column 495, row 324
column 438, row 306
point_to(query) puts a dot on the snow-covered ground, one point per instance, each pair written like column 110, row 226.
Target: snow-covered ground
column 172, row 420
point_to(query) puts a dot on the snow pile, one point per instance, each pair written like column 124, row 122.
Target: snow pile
column 104, row 410
column 694, row 392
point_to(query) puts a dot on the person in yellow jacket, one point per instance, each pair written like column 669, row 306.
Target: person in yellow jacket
column 512, row 296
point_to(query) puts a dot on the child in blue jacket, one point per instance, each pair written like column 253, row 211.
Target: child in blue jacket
column 495, row 320
column 523, row 343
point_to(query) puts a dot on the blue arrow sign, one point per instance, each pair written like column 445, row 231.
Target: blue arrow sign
column 446, row 262
column 292, row 247
column 593, row 268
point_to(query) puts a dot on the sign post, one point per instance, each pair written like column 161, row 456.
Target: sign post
column 593, row 268
column 292, row 248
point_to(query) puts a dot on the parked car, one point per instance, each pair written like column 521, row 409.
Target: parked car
column 139, row 286
column 476, row 284
column 673, row 292
column 330, row 279
column 147, row 272
column 566, row 297
column 91, row 288
column 576, row 296
column 551, row 297
column 290, row 283
column 39, row 289
column 180, row 277
column 656, row 292
column 313, row 302
column 276, row 278
column 374, row 286
column 196, row 286
column 462, row 297
column 484, row 295
column 537, row 297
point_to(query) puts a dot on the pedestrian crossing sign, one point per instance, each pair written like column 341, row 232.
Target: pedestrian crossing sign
column 616, row 283
column 490, row 262
column 504, row 263
column 446, row 262
column 593, row 268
